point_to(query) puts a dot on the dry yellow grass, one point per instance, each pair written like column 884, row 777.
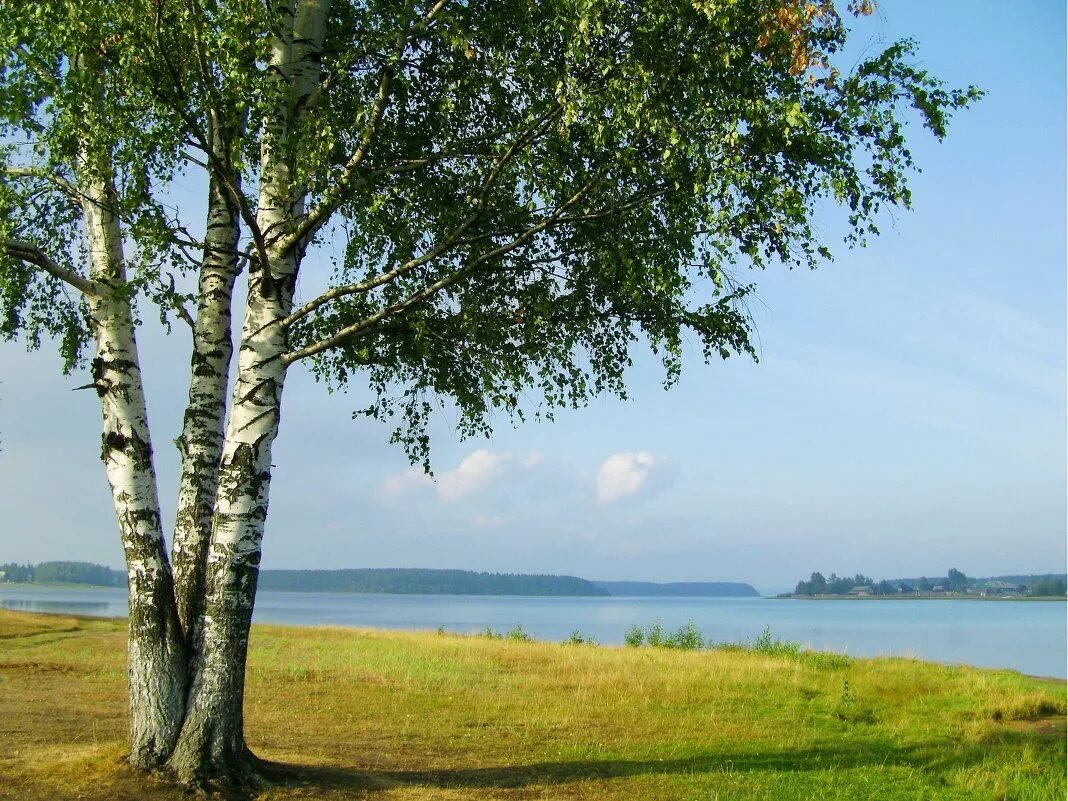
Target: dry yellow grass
column 386, row 715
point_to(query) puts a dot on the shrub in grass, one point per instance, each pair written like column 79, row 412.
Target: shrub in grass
column 685, row 638
column 518, row 635
column 773, row 646
column 634, row 636
column 769, row 645
column 578, row 638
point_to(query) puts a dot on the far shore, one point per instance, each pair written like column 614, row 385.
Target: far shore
column 920, row 596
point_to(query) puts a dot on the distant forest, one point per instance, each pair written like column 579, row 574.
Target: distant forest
column 397, row 581
column 1048, row 584
column 416, row 581
column 63, row 573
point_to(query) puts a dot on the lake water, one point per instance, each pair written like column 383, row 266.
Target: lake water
column 1029, row 636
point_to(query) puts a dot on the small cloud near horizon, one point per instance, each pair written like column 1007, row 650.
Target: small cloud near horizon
column 475, row 473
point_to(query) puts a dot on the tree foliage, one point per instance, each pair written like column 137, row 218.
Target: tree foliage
column 513, row 194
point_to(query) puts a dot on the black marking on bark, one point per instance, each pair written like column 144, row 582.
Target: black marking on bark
column 112, row 441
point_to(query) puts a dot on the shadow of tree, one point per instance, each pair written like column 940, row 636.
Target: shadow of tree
column 936, row 757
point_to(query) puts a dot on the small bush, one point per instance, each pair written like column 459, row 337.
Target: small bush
column 686, row 638
column 634, row 636
column 773, row 646
column 490, row 634
column 518, row 635
column 655, row 635
column 578, row 638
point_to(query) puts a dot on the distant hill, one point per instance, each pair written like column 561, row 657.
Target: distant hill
column 398, row 581
column 679, row 589
column 417, row 581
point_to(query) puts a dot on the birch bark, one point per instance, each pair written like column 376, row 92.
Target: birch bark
column 211, row 747
column 202, row 431
column 156, row 652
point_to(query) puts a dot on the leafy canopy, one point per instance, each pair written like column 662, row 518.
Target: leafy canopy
column 513, row 193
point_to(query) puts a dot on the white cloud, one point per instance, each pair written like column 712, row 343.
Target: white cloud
column 625, row 474
column 476, row 472
column 405, row 483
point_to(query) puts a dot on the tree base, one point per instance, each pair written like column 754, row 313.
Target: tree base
column 209, row 763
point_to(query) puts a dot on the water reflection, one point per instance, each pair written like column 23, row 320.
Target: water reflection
column 63, row 607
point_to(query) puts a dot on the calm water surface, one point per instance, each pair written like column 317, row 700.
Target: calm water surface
column 1023, row 635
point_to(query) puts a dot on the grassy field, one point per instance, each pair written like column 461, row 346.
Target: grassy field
column 386, row 715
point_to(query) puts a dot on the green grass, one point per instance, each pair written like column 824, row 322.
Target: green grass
column 390, row 715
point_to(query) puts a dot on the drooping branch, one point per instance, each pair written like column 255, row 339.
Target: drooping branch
column 31, row 254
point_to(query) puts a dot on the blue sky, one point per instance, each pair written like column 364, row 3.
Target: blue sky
column 907, row 414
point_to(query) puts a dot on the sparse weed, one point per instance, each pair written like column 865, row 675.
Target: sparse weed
column 769, row 645
column 849, row 711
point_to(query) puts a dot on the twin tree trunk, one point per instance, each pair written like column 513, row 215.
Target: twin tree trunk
column 189, row 630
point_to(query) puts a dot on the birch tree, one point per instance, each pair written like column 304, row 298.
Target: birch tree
column 491, row 199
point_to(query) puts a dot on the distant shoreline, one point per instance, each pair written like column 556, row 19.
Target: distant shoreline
column 648, row 590
column 919, row 597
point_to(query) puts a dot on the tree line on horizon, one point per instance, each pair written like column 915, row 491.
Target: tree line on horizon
column 425, row 581
column 60, row 572
column 954, row 581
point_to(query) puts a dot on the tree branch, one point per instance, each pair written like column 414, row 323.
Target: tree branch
column 57, row 181
column 452, row 239
column 31, row 254
column 442, row 283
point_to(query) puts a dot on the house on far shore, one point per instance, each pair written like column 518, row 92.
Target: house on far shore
column 998, row 588
column 938, row 588
column 863, row 589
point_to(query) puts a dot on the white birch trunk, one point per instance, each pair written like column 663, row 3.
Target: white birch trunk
column 202, row 431
column 157, row 657
column 211, row 748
